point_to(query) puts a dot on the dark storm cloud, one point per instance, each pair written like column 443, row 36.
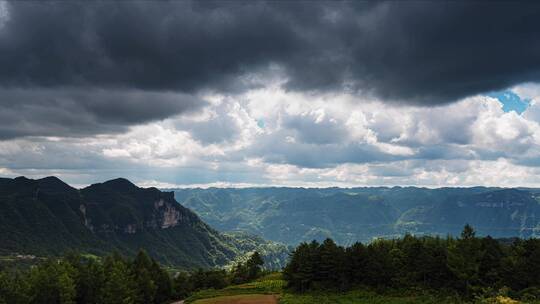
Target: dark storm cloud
column 83, row 112
column 425, row 52
column 409, row 52
column 149, row 45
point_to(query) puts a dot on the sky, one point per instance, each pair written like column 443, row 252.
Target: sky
column 255, row 93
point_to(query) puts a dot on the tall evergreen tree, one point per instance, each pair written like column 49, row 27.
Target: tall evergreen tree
column 163, row 283
column 490, row 263
column 379, row 267
column 356, row 259
column 182, row 285
column 464, row 258
column 143, row 276
column 119, row 287
column 531, row 257
column 254, row 264
column 14, row 289
column 66, row 288
column 330, row 267
column 300, row 272
column 52, row 283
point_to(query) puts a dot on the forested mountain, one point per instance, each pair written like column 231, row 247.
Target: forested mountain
column 293, row 215
column 48, row 217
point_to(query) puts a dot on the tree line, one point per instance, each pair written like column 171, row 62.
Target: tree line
column 77, row 279
column 466, row 265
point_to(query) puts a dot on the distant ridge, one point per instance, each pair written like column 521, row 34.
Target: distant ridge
column 347, row 215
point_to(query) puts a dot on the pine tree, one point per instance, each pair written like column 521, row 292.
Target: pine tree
column 330, row 271
column 67, row 291
column 90, row 282
column 464, row 257
column 356, row 259
column 14, row 289
column 490, row 263
column 163, row 282
column 300, row 271
column 435, row 266
column 254, row 265
column 379, row 266
column 532, row 261
column 182, row 285
column 52, row 282
column 141, row 270
column 119, row 287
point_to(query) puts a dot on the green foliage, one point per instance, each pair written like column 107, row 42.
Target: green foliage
column 77, row 279
column 464, row 258
column 204, row 279
column 248, row 271
column 182, row 285
column 89, row 281
column 163, row 282
column 467, row 265
column 119, row 286
column 14, row 289
column 275, row 255
column 52, row 282
column 143, row 278
column 364, row 297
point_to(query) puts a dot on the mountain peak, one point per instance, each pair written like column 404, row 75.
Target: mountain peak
column 120, row 184
column 53, row 183
column 21, row 179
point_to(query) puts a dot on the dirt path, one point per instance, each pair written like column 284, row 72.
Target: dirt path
column 241, row 299
column 178, row 302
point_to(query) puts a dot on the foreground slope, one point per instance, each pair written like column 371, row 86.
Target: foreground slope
column 47, row 216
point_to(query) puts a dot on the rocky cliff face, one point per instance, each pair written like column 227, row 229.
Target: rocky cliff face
column 118, row 206
column 168, row 215
column 165, row 214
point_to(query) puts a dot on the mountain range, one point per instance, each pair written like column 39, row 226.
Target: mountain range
column 214, row 227
column 48, row 217
column 347, row 215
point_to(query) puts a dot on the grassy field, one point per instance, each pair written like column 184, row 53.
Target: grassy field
column 359, row 297
column 271, row 290
column 271, row 284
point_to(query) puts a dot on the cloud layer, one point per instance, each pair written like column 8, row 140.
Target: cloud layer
column 304, row 141
column 265, row 92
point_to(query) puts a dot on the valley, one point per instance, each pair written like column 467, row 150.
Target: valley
column 347, row 215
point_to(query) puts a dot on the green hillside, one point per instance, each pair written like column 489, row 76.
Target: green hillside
column 48, row 217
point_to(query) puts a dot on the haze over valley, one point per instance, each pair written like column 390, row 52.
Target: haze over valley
column 294, row 215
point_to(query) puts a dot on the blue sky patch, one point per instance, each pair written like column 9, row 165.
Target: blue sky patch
column 510, row 101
